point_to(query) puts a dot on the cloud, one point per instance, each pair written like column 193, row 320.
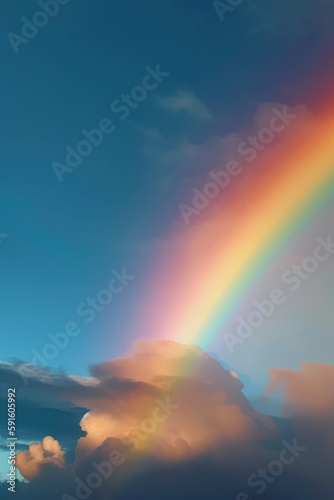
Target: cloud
column 186, row 101
column 151, row 133
column 125, row 392
column 173, row 413
column 188, row 161
column 41, row 409
column 48, row 452
column 307, row 390
column 211, row 408
column 308, row 399
column 148, row 384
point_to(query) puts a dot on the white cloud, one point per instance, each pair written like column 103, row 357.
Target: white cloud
column 186, row 101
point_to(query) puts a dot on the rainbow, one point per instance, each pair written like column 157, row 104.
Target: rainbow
column 205, row 270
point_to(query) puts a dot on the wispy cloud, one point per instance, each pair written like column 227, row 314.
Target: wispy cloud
column 186, row 101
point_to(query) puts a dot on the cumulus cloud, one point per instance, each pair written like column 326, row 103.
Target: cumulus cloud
column 186, row 101
column 172, row 411
column 192, row 403
column 48, row 452
column 191, row 412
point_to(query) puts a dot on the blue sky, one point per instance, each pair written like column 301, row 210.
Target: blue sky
column 61, row 242
column 65, row 238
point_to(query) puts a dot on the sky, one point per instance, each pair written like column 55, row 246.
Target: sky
column 65, row 238
column 127, row 211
